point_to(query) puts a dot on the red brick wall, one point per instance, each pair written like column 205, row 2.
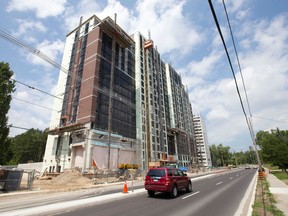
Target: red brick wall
column 88, row 93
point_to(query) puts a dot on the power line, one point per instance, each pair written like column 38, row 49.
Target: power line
column 34, row 104
column 249, row 123
column 32, row 87
column 238, row 61
column 30, row 49
column 285, row 122
column 44, row 57
column 249, row 120
column 228, row 56
column 37, row 89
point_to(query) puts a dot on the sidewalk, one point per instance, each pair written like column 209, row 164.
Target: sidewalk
column 280, row 192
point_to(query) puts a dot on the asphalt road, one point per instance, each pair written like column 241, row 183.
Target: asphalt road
column 216, row 194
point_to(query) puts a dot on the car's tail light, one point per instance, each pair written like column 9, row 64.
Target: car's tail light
column 167, row 181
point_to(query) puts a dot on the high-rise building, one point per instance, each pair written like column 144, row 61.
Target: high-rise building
column 97, row 122
column 164, row 120
column 121, row 103
column 181, row 140
column 200, row 134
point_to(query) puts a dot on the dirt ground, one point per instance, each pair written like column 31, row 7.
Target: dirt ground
column 69, row 180
column 264, row 203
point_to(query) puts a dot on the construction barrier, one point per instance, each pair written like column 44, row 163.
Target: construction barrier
column 261, row 175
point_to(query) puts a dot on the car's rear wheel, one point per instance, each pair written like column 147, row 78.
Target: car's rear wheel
column 174, row 192
column 151, row 193
column 189, row 187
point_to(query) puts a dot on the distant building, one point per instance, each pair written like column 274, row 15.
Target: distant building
column 204, row 157
column 121, row 103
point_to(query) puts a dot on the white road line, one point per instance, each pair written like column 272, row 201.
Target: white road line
column 190, row 195
column 219, row 183
column 202, row 177
column 41, row 210
column 231, row 178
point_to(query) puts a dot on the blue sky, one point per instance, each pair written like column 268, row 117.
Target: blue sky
column 186, row 36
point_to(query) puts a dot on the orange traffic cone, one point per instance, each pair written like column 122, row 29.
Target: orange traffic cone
column 125, row 188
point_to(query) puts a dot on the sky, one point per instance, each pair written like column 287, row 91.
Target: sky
column 186, row 36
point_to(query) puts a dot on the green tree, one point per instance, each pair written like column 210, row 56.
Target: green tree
column 240, row 158
column 214, row 155
column 28, row 146
column 274, row 147
column 220, row 155
column 224, row 154
column 7, row 87
column 250, row 157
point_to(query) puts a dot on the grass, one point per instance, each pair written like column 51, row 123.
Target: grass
column 281, row 175
column 264, row 204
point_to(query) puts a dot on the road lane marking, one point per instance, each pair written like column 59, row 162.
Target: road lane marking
column 43, row 209
column 191, row 195
column 231, row 178
column 202, row 177
column 219, row 183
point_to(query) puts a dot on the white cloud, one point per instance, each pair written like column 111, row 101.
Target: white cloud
column 263, row 56
column 242, row 14
column 30, row 108
column 51, row 49
column 42, row 9
column 205, row 66
column 125, row 18
column 262, row 46
column 28, row 25
column 170, row 30
column 266, row 72
column 234, row 6
column 219, row 113
column 83, row 8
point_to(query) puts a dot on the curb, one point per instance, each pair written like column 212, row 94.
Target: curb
column 245, row 207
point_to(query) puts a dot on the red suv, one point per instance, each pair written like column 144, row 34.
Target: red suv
column 164, row 179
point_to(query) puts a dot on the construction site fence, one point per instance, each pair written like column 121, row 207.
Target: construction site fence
column 13, row 179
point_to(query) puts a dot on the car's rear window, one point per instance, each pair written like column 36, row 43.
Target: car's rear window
column 156, row 172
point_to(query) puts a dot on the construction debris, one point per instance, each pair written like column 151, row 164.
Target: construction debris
column 68, row 180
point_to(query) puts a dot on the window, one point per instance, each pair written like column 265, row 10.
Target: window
column 156, row 173
column 176, row 172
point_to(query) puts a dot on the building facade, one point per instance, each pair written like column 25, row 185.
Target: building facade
column 120, row 103
column 203, row 151
column 180, row 130
column 164, row 120
column 97, row 123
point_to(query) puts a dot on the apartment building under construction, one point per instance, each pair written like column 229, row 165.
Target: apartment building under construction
column 121, row 103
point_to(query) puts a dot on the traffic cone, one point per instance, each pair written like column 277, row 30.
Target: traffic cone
column 125, row 188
